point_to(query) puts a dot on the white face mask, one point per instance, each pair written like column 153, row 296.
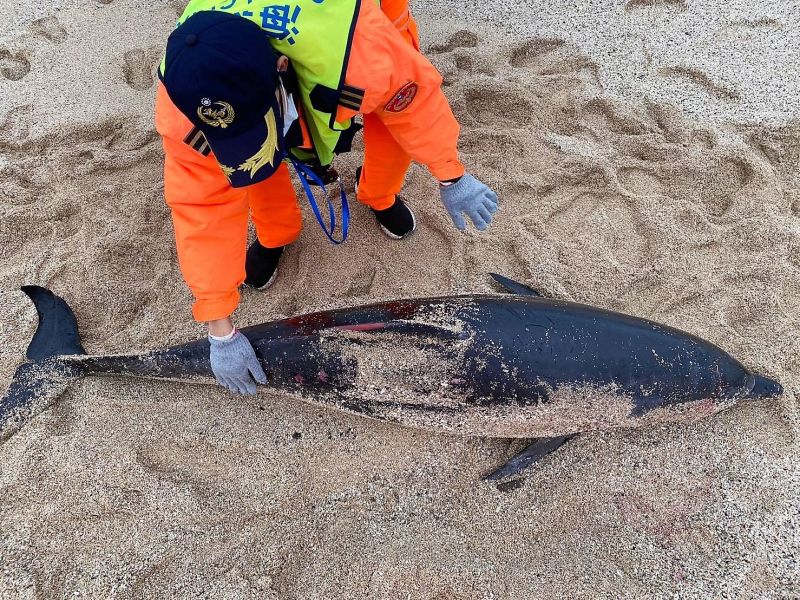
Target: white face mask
column 289, row 109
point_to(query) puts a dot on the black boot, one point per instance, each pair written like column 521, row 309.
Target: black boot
column 261, row 265
column 397, row 221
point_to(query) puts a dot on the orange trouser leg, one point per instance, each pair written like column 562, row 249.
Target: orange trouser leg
column 210, row 220
column 385, row 162
column 273, row 206
column 385, row 165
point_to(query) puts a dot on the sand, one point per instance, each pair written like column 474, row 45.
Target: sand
column 647, row 158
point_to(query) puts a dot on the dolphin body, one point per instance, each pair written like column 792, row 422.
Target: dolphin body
column 516, row 366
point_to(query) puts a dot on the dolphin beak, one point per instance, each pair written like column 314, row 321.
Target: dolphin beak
column 765, row 387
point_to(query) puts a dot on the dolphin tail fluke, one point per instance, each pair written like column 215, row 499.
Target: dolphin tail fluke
column 46, row 374
column 57, row 334
column 765, row 388
column 538, row 449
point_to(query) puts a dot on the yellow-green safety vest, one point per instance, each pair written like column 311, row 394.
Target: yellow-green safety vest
column 316, row 36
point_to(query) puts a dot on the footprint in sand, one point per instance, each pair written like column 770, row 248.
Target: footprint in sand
column 602, row 228
column 362, row 283
column 460, row 39
column 498, row 106
column 50, row 29
column 640, row 181
column 475, row 141
column 138, row 69
column 748, row 314
column 553, row 56
column 458, row 57
column 463, row 62
column 527, row 54
column 725, row 181
column 741, row 30
column 16, row 123
column 13, row 65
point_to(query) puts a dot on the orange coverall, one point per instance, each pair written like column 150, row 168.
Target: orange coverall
column 210, row 216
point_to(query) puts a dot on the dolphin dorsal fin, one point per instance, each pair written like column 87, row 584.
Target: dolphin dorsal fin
column 514, row 287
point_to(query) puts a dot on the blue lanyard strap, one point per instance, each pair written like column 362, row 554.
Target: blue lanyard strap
column 306, row 174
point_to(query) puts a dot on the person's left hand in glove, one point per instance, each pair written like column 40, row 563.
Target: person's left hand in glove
column 468, row 196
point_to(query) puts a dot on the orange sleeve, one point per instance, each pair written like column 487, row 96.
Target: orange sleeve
column 383, row 59
column 209, row 217
column 398, row 13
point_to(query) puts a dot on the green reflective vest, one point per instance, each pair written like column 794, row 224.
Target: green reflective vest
column 316, row 36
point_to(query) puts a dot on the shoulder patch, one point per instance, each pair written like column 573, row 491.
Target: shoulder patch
column 402, row 98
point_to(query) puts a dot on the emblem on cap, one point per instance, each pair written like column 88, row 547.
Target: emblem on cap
column 216, row 114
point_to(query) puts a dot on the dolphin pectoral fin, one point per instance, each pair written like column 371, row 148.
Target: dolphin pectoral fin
column 514, row 287
column 538, row 449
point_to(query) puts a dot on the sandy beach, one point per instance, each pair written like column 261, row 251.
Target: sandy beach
column 646, row 154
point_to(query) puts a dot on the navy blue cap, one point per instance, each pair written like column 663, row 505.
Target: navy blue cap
column 220, row 71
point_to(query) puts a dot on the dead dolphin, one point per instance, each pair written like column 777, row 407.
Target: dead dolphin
column 514, row 365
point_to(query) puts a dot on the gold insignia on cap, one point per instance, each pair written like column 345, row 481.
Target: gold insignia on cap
column 216, row 114
column 265, row 154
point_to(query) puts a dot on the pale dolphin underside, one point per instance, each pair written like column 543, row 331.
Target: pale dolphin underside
column 516, row 365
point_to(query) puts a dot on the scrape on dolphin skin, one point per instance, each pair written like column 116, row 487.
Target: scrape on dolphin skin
column 485, row 365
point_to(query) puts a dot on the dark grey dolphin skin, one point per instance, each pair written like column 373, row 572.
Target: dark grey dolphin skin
column 516, row 365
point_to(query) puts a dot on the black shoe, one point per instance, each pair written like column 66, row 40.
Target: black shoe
column 261, row 265
column 397, row 221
